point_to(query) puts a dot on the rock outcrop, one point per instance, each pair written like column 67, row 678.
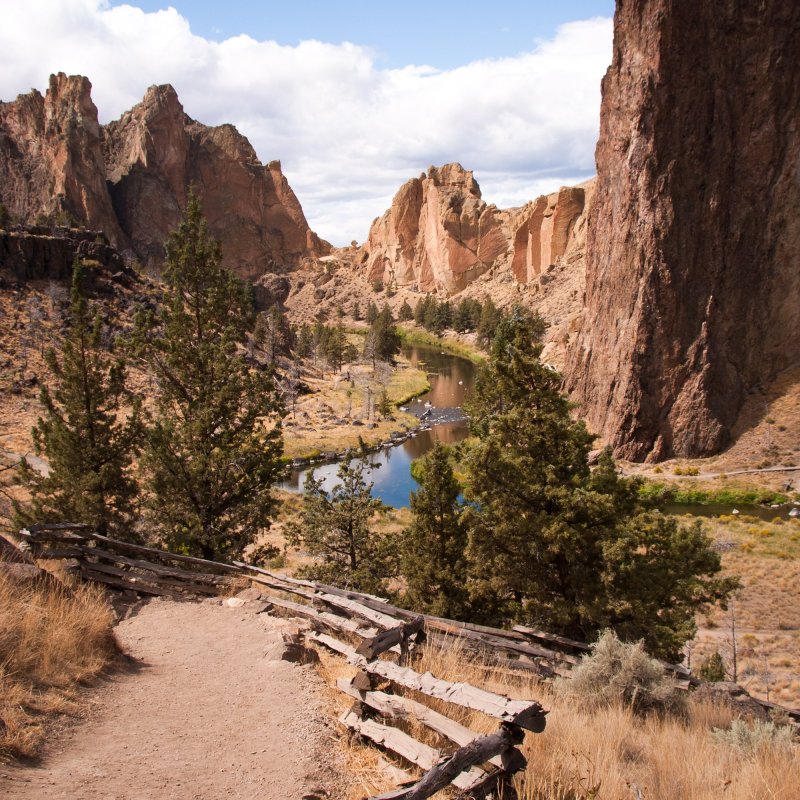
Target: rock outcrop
column 693, row 273
column 130, row 178
column 155, row 152
column 51, row 158
column 439, row 234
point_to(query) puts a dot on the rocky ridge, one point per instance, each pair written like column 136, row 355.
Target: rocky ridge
column 130, row 178
column 440, row 235
column 692, row 280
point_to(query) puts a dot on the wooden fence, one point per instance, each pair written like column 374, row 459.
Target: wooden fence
column 375, row 637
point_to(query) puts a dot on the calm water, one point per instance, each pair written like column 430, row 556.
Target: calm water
column 451, row 377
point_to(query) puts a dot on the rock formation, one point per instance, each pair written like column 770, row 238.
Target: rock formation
column 439, row 234
column 51, row 158
column 130, row 178
column 155, row 152
column 693, row 273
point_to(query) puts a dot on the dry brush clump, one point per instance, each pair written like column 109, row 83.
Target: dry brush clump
column 52, row 638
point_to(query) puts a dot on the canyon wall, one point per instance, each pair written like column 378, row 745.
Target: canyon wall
column 693, row 253
column 439, row 234
column 130, row 178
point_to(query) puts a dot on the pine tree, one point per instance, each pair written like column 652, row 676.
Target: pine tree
column 489, row 320
column 334, row 527
column 213, row 447
column 356, row 311
column 556, row 544
column 383, row 340
column 305, row 342
column 87, row 444
column 405, row 314
column 433, row 559
column 372, row 313
column 335, row 345
column 384, row 404
column 419, row 310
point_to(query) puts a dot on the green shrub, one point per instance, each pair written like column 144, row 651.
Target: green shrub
column 621, row 672
column 754, row 737
column 377, row 286
column 712, row 669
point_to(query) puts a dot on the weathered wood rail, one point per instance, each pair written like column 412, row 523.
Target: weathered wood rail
column 362, row 628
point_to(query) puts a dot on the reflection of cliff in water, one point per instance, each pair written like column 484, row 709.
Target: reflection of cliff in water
column 451, row 378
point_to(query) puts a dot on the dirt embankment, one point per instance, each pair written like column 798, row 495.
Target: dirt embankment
column 202, row 712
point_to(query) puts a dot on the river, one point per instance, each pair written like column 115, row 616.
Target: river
column 451, row 378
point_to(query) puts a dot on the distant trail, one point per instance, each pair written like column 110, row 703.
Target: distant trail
column 205, row 716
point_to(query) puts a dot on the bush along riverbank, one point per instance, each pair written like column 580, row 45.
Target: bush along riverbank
column 756, row 495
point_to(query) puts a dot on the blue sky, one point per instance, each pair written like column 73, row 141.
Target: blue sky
column 439, row 34
column 353, row 98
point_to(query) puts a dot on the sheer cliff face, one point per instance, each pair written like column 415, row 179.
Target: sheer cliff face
column 440, row 234
column 155, row 152
column 130, row 178
column 693, row 252
column 51, row 157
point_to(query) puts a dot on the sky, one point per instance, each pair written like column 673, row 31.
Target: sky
column 353, row 97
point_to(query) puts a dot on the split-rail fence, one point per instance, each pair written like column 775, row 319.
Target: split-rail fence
column 362, row 628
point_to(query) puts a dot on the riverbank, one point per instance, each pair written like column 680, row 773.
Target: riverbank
column 462, row 345
column 341, row 411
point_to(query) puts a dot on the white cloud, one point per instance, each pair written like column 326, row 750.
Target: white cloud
column 347, row 132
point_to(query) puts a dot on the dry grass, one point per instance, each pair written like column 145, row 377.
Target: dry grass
column 323, row 420
column 51, row 640
column 611, row 753
column 766, row 555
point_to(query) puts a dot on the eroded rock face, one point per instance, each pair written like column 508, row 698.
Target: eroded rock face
column 693, row 272
column 130, row 178
column 51, row 158
column 439, row 234
column 155, row 152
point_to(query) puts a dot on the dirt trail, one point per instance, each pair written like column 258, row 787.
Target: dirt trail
column 202, row 714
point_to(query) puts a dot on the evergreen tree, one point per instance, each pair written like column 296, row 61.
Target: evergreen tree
column 433, row 559
column 383, row 340
column 384, row 404
column 87, row 446
column 419, row 310
column 555, row 544
column 356, row 311
column 405, row 314
column 334, row 527
column 372, row 313
column 431, row 309
column 335, row 345
column 305, row 342
column 273, row 334
column 490, row 319
column 214, row 444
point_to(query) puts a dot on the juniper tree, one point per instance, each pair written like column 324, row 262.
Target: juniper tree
column 433, row 559
column 88, row 433
column 213, row 444
column 405, row 313
column 334, row 527
column 553, row 543
column 383, row 340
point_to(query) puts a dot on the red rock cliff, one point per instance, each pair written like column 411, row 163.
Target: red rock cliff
column 155, row 152
column 693, row 253
column 440, row 234
column 51, row 158
column 130, row 178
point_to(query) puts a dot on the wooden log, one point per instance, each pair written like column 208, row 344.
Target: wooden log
column 138, row 579
column 374, row 646
column 399, row 707
column 533, row 633
column 156, row 569
column 359, row 609
column 46, row 535
column 525, row 713
column 406, row 746
column 281, row 587
column 476, row 752
column 163, row 555
column 323, row 618
column 122, row 583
